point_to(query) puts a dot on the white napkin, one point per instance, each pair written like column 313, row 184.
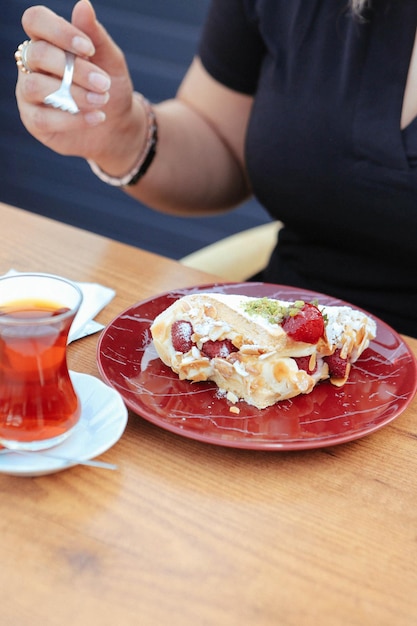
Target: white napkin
column 95, row 298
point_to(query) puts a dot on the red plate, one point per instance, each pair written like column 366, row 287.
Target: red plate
column 382, row 383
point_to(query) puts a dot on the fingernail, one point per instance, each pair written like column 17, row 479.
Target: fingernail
column 83, row 46
column 97, row 98
column 99, row 81
column 94, row 118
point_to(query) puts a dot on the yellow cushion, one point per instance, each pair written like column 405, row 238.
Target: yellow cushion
column 239, row 256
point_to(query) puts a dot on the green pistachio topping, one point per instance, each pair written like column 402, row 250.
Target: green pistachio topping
column 272, row 310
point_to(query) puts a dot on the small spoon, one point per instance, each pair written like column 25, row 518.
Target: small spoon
column 88, row 462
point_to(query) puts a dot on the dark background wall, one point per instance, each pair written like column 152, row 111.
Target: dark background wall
column 159, row 38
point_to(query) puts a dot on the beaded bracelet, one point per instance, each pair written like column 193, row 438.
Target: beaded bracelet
column 145, row 158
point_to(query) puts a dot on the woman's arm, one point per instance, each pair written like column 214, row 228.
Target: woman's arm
column 199, row 165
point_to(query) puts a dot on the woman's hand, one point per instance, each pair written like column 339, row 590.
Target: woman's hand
column 101, row 87
column 201, row 131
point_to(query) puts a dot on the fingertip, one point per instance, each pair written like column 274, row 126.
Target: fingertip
column 84, row 15
column 90, row 7
column 88, row 3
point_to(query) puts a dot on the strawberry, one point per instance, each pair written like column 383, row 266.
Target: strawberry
column 221, row 348
column 181, row 332
column 307, row 325
column 337, row 365
column 303, row 363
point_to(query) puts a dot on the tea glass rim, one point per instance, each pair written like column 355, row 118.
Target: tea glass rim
column 8, row 320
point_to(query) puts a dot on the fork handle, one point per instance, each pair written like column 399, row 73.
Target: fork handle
column 69, row 69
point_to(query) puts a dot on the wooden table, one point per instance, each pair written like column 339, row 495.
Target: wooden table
column 186, row 533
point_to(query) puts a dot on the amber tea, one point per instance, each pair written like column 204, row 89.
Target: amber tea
column 38, row 404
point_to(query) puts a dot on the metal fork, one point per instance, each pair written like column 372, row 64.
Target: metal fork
column 62, row 98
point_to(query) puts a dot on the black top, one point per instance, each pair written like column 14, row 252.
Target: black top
column 324, row 149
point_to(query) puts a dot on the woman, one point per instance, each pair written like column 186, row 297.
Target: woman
column 310, row 105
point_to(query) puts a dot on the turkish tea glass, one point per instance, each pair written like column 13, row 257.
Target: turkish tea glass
column 39, row 406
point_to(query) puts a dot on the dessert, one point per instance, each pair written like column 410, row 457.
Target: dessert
column 260, row 350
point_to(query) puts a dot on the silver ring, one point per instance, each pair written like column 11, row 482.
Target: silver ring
column 21, row 57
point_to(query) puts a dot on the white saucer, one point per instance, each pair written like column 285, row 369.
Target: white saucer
column 102, row 423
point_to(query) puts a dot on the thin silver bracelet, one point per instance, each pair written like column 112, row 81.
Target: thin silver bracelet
column 146, row 155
